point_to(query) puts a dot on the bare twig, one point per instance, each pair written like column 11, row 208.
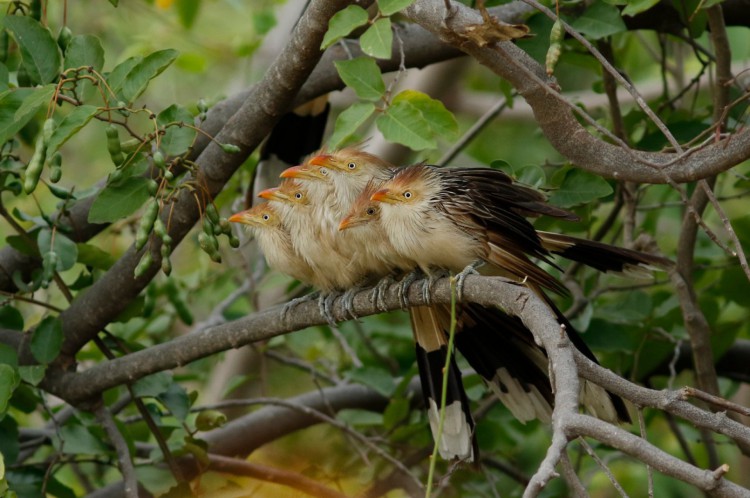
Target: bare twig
column 716, row 401
column 121, row 448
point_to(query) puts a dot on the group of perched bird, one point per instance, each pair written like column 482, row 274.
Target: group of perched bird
column 346, row 219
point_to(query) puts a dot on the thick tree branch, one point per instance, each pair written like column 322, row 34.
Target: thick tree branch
column 558, row 121
column 271, row 98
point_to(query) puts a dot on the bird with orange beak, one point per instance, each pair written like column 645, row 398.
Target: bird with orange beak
column 275, row 241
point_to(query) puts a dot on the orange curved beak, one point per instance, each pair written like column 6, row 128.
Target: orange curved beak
column 345, row 223
column 382, row 195
column 269, row 193
column 320, row 160
column 304, row 171
column 238, row 217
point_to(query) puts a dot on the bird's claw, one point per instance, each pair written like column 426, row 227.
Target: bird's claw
column 325, row 306
column 470, row 269
column 289, row 306
column 403, row 287
column 378, row 296
column 348, row 301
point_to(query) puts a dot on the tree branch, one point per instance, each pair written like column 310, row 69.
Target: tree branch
column 558, row 121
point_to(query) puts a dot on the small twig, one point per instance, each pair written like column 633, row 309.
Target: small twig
column 602, row 465
column 318, row 415
column 121, row 448
column 691, row 392
column 345, row 347
column 472, row 132
column 575, row 486
column 649, row 471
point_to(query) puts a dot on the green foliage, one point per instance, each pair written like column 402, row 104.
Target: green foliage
column 363, row 76
column 378, row 39
column 55, row 160
column 39, row 51
column 344, row 22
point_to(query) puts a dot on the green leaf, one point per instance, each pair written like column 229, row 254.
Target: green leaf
column 264, row 21
column 390, row 7
column 377, row 41
column 32, row 374
column 40, row 97
column 177, row 139
column 116, row 77
column 440, row 119
column 176, row 399
column 66, row 249
column 152, row 385
column 579, row 187
column 361, row 418
column 10, row 103
column 404, row 123
column 4, row 77
column 84, row 51
column 342, row 23
column 599, row 20
column 47, row 339
column 69, row 126
column 39, row 51
column 11, row 318
column 9, row 380
column 92, row 256
column 637, row 6
column 376, row 378
column 137, row 79
column 115, row 202
column 363, row 76
column 76, row 439
column 531, row 175
column 187, row 11
column 349, row 120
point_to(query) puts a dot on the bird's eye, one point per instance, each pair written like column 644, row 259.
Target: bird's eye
column 370, row 211
column 266, row 217
column 298, row 195
column 351, row 165
column 407, row 194
column 324, row 171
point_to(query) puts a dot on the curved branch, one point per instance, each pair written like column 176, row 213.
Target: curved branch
column 706, row 480
column 558, row 122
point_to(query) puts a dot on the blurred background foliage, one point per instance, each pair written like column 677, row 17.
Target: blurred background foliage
column 224, row 46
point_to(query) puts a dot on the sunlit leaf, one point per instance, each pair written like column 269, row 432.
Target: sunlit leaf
column 390, row 7
column 403, row 123
column 363, row 76
column 344, row 22
column 349, row 120
column 440, row 119
column 377, row 41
